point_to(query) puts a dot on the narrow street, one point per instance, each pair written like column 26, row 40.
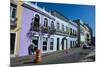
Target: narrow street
column 73, row 56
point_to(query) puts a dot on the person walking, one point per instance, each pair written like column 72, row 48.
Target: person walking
column 31, row 49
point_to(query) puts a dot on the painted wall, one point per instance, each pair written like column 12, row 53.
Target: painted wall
column 24, row 40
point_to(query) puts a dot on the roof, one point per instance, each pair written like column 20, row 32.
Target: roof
column 59, row 15
column 62, row 17
column 36, row 8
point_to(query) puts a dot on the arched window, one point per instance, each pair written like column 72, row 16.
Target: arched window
column 52, row 24
column 46, row 22
column 58, row 26
column 36, row 20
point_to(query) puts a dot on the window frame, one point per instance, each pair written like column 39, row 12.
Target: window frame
column 58, row 26
column 62, row 27
column 44, row 45
column 11, row 11
column 51, row 43
column 52, row 24
column 45, row 22
column 35, row 22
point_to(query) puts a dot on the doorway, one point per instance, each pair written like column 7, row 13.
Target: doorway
column 57, row 43
column 63, row 44
column 12, row 42
column 35, row 42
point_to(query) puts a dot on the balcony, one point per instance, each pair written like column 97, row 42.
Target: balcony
column 52, row 30
column 74, row 35
column 60, row 32
column 44, row 29
column 48, row 30
column 35, row 28
column 13, row 23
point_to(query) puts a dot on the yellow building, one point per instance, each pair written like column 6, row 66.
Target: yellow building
column 15, row 26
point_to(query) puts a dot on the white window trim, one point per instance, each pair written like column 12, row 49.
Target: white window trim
column 45, row 45
column 52, row 44
column 12, row 10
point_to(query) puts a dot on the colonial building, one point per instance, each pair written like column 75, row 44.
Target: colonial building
column 15, row 26
column 89, row 35
column 48, row 31
column 84, row 33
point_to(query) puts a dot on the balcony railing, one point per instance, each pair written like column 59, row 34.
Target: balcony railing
column 13, row 23
column 48, row 30
column 52, row 30
column 35, row 28
column 44, row 29
column 60, row 32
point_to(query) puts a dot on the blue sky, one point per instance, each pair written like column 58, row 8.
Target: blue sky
column 84, row 12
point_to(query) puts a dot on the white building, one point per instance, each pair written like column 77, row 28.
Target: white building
column 48, row 31
column 84, row 34
column 65, row 35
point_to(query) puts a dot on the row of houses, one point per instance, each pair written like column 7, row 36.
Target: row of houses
column 48, row 31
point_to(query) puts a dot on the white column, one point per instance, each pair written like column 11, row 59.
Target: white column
column 64, row 44
column 48, row 45
column 40, row 43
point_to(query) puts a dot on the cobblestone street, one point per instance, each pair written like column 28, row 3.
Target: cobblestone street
column 65, row 56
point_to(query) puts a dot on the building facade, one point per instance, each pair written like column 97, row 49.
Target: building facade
column 84, row 33
column 15, row 26
column 47, row 31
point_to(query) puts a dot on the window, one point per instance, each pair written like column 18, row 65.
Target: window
column 36, row 20
column 70, row 31
column 44, row 44
column 58, row 27
column 73, row 32
column 13, row 11
column 51, row 43
column 52, row 24
column 66, row 29
column 46, row 22
column 62, row 27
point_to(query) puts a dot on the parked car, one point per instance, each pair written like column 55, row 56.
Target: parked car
column 86, row 47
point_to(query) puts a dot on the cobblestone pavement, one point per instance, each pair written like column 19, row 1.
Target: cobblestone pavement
column 64, row 56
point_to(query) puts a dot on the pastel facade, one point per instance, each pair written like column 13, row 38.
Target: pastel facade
column 15, row 26
column 48, row 31
column 44, row 41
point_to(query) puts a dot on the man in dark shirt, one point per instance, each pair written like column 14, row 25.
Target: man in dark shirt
column 31, row 49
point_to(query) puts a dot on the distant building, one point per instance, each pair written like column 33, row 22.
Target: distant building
column 89, row 39
column 84, row 33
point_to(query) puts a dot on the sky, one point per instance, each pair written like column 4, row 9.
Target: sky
column 73, row 11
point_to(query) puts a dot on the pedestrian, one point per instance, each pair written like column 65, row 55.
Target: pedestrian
column 31, row 49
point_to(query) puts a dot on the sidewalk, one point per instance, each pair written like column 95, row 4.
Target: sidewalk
column 46, row 57
column 89, row 57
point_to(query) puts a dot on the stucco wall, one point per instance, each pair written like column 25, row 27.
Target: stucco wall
column 24, row 40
